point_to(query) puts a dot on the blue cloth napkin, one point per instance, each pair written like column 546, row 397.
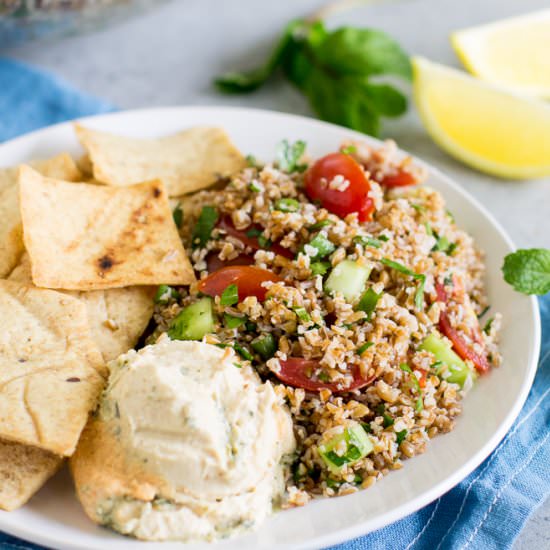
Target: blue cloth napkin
column 486, row 511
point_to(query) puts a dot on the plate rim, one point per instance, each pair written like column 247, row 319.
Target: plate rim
column 363, row 527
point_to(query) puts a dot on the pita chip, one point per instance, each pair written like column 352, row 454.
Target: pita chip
column 185, row 162
column 91, row 237
column 51, row 371
column 117, row 316
column 11, row 238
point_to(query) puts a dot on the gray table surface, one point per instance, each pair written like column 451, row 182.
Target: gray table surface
column 168, row 57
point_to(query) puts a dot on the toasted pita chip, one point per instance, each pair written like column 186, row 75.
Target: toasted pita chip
column 117, row 316
column 51, row 371
column 11, row 238
column 90, row 237
column 185, row 162
column 23, row 470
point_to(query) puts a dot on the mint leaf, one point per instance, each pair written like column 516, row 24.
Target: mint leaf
column 248, row 81
column 528, row 270
column 365, row 52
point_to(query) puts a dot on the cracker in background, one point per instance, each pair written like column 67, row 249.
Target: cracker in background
column 11, row 241
column 90, row 237
column 185, row 162
column 117, row 316
column 51, row 371
column 23, row 470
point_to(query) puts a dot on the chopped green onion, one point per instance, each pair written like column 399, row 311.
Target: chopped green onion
column 302, row 314
column 349, row 149
column 319, row 225
column 367, row 241
column 265, row 346
column 368, row 302
column 243, row 352
column 323, row 246
column 205, row 225
column 400, row 436
column 177, row 214
column 364, row 347
column 230, row 296
column 419, row 295
column 231, row 321
column 319, row 268
column 287, row 205
column 264, row 242
column 255, row 186
column 387, row 420
column 166, row 293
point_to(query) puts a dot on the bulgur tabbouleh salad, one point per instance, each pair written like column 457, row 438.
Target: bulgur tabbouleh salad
column 350, row 287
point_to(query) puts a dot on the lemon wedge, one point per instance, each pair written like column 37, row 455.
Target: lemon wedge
column 514, row 53
column 488, row 128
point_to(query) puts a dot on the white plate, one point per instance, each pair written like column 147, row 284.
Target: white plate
column 54, row 517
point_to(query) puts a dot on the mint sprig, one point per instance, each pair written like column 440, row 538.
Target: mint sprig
column 334, row 70
column 528, row 270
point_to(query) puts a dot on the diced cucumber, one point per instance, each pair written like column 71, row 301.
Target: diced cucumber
column 458, row 369
column 349, row 278
column 357, row 445
column 193, row 321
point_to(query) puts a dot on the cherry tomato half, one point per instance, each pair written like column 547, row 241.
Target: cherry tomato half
column 226, row 224
column 460, row 345
column 248, row 279
column 298, row 372
column 354, row 198
column 401, row 179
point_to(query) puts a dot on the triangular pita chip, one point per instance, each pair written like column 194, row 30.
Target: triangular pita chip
column 51, row 371
column 88, row 237
column 23, row 470
column 11, row 241
column 117, row 316
column 185, row 162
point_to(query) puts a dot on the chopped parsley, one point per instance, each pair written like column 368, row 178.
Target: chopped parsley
column 232, row 321
column 230, row 296
column 368, row 302
column 323, row 245
column 367, row 241
column 205, row 225
column 289, row 155
column 319, row 225
column 319, row 268
column 364, row 347
column 419, row 402
column 349, row 149
column 166, row 293
column 177, row 214
column 400, row 436
column 387, row 420
column 243, row 352
column 488, row 324
column 419, row 295
column 265, row 346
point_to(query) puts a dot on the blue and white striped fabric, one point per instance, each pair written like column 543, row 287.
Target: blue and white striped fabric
column 484, row 512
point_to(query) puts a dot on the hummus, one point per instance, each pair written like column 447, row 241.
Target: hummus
column 206, row 429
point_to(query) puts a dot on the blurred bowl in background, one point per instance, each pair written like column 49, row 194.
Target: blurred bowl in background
column 23, row 20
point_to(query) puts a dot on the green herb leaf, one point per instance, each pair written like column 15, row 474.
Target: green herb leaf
column 287, row 205
column 231, row 321
column 205, row 225
column 264, row 242
column 348, row 150
column 528, row 270
column 230, row 296
column 247, row 81
column 289, row 154
column 319, row 225
column 400, row 436
column 387, row 420
column 488, row 324
column 177, row 214
column 368, row 302
column 363, row 52
column 419, row 294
